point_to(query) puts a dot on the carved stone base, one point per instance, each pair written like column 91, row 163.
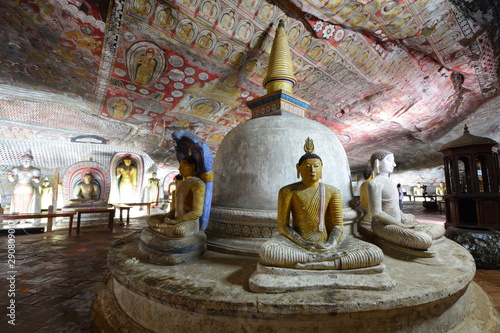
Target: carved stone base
column 212, row 295
column 160, row 249
column 268, row 279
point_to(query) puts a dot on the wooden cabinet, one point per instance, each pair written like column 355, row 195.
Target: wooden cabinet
column 471, row 166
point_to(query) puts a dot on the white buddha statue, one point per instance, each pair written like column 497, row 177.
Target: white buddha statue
column 418, row 190
column 388, row 221
column 24, row 176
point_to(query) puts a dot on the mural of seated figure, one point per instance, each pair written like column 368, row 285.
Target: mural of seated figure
column 395, row 229
column 314, row 241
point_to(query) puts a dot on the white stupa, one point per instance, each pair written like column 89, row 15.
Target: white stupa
column 258, row 157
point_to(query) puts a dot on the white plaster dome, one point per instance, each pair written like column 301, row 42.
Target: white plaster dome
column 253, row 162
column 258, row 157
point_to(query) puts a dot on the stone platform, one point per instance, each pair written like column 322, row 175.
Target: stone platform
column 212, row 295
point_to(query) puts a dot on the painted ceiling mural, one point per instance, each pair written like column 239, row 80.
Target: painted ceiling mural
column 392, row 74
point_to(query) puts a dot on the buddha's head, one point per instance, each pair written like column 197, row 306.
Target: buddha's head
column 150, row 53
column 88, row 177
column 310, row 166
column 382, row 161
column 310, row 169
column 367, row 172
column 127, row 160
column 187, row 166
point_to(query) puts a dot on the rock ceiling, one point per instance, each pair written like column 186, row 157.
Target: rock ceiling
column 392, row 74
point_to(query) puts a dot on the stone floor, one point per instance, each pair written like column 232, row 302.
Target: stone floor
column 59, row 275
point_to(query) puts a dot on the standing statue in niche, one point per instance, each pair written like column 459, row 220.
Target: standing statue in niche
column 314, row 238
column 187, row 208
column 23, row 175
column 389, row 223
column 45, row 195
column 152, row 191
column 126, row 174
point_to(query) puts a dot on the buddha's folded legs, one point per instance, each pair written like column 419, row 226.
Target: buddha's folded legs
column 435, row 231
column 154, row 220
column 179, row 230
column 415, row 237
column 369, row 256
column 281, row 253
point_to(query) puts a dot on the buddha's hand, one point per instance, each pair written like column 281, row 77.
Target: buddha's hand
column 170, row 221
column 407, row 219
column 153, row 223
column 324, row 246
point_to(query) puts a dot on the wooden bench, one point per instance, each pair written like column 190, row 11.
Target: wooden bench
column 123, row 207
column 147, row 204
column 43, row 215
column 80, row 211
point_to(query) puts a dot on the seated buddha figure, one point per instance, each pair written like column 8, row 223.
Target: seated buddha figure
column 441, row 190
column 388, row 221
column 310, row 226
column 183, row 218
column 87, row 189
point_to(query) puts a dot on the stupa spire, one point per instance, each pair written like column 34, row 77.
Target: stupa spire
column 280, row 68
column 279, row 82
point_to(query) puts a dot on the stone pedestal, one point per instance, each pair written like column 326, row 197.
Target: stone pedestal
column 275, row 280
column 213, row 295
